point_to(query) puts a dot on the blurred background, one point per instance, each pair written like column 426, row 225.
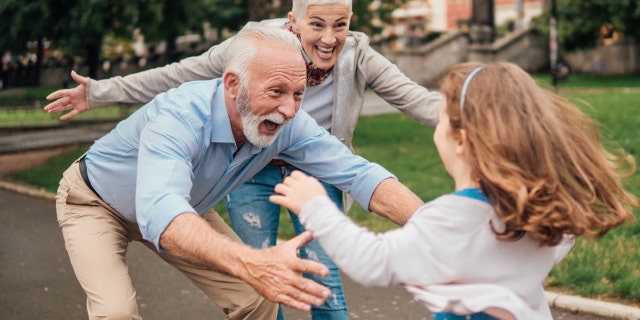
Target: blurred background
column 42, row 40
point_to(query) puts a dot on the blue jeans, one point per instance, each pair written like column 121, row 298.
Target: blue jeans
column 255, row 219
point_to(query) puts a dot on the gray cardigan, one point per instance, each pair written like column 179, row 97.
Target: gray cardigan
column 358, row 67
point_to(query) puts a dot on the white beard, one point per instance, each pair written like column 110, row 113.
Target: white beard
column 251, row 122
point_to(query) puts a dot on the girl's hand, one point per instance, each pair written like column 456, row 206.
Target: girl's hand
column 296, row 190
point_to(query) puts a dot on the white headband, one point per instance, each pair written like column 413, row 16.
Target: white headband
column 465, row 85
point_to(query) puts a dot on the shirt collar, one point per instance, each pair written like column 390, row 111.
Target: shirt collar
column 221, row 132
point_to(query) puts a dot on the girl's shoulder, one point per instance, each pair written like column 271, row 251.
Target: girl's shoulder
column 457, row 209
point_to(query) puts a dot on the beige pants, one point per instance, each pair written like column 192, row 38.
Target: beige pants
column 96, row 238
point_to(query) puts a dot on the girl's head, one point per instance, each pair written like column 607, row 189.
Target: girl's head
column 538, row 158
column 322, row 26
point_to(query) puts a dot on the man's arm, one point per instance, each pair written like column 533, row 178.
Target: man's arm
column 394, row 201
column 275, row 272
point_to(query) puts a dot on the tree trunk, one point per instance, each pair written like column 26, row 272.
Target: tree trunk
column 39, row 57
column 93, row 59
column 258, row 9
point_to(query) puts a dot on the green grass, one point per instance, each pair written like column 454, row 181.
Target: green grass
column 606, row 267
column 36, row 117
column 25, row 96
column 22, row 107
column 591, row 81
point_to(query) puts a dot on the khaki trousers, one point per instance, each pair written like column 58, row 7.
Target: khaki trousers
column 96, row 238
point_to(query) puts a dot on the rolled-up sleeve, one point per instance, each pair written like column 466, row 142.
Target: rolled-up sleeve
column 165, row 176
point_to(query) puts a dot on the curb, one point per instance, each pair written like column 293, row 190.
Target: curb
column 556, row 300
column 589, row 306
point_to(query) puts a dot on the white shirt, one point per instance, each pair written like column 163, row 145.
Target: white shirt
column 446, row 255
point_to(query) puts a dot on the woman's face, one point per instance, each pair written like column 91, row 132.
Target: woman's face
column 323, row 32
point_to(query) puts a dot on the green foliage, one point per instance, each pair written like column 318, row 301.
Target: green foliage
column 361, row 19
column 579, row 22
column 48, row 175
column 28, row 20
column 227, row 14
column 24, row 96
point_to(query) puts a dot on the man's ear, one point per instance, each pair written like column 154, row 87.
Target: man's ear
column 231, row 83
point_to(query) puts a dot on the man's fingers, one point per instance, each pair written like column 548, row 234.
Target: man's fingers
column 309, row 266
column 300, row 240
column 303, row 293
column 303, row 297
column 288, row 301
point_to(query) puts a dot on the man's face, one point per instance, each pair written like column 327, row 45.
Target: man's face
column 251, row 122
column 273, row 95
column 323, row 32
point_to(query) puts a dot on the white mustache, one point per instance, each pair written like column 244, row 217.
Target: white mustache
column 275, row 117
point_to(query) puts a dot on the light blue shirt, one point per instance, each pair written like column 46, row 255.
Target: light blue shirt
column 176, row 155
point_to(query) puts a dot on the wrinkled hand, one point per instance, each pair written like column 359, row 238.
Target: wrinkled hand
column 276, row 274
column 296, row 190
column 67, row 99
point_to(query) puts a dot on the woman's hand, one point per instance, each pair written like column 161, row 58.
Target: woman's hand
column 67, row 99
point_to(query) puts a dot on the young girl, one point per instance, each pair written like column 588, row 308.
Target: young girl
column 530, row 174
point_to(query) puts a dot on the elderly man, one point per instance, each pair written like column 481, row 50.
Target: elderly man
column 157, row 174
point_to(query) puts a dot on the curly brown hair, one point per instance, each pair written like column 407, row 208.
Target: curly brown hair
column 537, row 157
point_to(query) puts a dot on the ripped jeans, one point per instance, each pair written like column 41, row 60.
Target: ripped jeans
column 255, row 219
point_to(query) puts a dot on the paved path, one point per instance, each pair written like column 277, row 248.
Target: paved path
column 37, row 281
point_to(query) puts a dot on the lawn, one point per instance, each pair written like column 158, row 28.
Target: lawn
column 607, row 267
column 22, row 107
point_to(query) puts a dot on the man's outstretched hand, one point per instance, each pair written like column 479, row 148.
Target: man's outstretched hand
column 276, row 273
column 69, row 99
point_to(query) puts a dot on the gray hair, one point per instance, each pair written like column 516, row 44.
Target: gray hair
column 245, row 44
column 299, row 8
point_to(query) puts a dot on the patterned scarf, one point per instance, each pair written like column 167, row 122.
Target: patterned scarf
column 315, row 75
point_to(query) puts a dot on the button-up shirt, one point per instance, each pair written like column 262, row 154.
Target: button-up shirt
column 177, row 154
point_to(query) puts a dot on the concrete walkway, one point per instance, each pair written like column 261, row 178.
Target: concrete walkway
column 37, row 280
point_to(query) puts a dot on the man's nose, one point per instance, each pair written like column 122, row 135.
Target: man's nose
column 289, row 107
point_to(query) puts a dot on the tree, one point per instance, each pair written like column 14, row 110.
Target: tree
column 90, row 21
column 166, row 20
column 362, row 17
column 29, row 21
column 227, row 14
column 75, row 25
column 581, row 22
